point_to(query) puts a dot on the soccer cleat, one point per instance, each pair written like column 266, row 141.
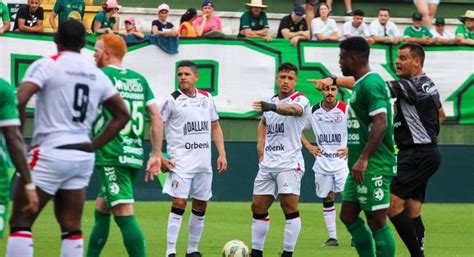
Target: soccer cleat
column 286, row 254
column 256, row 253
column 331, row 242
column 194, row 254
column 172, row 255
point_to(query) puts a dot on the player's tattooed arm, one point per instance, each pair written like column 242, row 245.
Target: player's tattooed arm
column 289, row 109
column 341, row 81
column 261, row 131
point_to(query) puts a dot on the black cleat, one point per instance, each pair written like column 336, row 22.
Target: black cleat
column 331, row 242
column 286, row 254
column 194, row 254
column 256, row 253
column 172, row 255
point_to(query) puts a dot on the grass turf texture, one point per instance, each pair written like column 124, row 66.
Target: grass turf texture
column 449, row 231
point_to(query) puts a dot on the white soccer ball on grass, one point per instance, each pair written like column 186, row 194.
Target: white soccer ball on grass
column 235, row 248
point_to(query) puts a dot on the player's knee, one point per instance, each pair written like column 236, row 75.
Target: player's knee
column 288, row 207
column 199, row 205
column 376, row 223
column 179, row 203
column 347, row 218
column 70, row 225
column 329, row 198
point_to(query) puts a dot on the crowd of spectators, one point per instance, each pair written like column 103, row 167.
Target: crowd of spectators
column 308, row 20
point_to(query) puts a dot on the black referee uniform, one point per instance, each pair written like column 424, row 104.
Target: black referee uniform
column 416, row 127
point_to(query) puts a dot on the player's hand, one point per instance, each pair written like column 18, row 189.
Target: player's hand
column 342, row 153
column 358, row 170
column 167, row 165
column 153, row 168
column 314, row 150
column 221, row 164
column 33, row 201
column 320, row 84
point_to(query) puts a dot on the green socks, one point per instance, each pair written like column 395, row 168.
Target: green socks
column 132, row 234
column 384, row 242
column 99, row 234
column 362, row 237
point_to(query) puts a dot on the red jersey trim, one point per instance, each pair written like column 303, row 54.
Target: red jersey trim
column 341, row 106
column 295, row 95
column 202, row 92
column 56, row 56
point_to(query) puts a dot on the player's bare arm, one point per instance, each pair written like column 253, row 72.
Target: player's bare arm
column 156, row 135
column 314, row 150
column 379, row 127
column 219, row 142
column 14, row 142
column 282, row 109
column 25, row 92
column 261, row 130
column 120, row 117
column 341, row 81
column 441, row 115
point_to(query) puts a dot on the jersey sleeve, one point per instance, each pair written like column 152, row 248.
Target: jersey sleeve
column 373, row 29
column 366, row 30
column 39, row 72
column 149, row 96
column 303, row 102
column 9, row 115
column 396, row 31
column 407, row 32
column 334, row 24
column 57, row 7
column 403, row 89
column 5, row 13
column 167, row 108
column 40, row 13
column 376, row 97
column 265, row 20
column 109, row 89
column 345, row 28
column 213, row 109
column 245, row 21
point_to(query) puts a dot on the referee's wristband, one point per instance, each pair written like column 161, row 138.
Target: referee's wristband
column 30, row 186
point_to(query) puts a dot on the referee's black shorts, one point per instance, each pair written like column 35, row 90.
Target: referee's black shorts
column 415, row 166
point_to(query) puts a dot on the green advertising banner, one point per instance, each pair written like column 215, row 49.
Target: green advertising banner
column 239, row 71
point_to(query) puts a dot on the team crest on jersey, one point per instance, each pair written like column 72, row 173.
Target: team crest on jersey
column 114, row 189
column 204, row 103
column 174, row 183
column 379, row 194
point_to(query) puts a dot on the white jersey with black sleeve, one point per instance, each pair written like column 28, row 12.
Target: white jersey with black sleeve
column 71, row 89
column 330, row 129
column 282, row 150
column 188, row 126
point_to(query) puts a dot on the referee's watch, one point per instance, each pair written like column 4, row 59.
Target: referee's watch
column 334, row 80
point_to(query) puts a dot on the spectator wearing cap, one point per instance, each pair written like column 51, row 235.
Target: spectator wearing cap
column 29, row 18
column 308, row 6
column 131, row 28
column 254, row 22
column 465, row 33
column 356, row 27
column 383, row 30
column 107, row 21
column 417, row 33
column 161, row 26
column 323, row 27
column 65, row 10
column 440, row 34
column 294, row 26
column 186, row 27
column 5, row 16
column 208, row 21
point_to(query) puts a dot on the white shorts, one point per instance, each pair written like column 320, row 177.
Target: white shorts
column 429, row 1
column 326, row 183
column 198, row 187
column 275, row 183
column 53, row 169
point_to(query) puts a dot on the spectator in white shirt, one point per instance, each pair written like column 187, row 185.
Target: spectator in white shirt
column 323, row 27
column 356, row 27
column 383, row 30
column 440, row 34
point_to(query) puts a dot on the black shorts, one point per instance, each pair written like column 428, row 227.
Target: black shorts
column 415, row 166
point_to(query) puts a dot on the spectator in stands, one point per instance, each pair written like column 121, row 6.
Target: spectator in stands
column 131, row 28
column 308, row 6
column 208, row 22
column 384, row 30
column 254, row 22
column 440, row 34
column 427, row 8
column 107, row 21
column 356, row 27
column 29, row 18
column 161, row 26
column 417, row 33
column 294, row 26
column 465, row 33
column 323, row 27
column 67, row 10
column 186, row 28
column 5, row 15
column 347, row 3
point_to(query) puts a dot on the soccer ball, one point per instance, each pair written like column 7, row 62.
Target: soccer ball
column 235, row 248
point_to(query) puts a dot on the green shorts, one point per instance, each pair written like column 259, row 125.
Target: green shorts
column 116, row 184
column 373, row 194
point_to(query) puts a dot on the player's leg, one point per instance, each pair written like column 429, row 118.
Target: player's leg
column 264, row 192
column 20, row 241
column 350, row 210
column 325, row 185
column 100, row 229
column 413, row 208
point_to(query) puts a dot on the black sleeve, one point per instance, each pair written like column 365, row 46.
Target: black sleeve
column 284, row 24
column 436, row 98
column 22, row 13
column 40, row 13
column 305, row 25
column 403, row 89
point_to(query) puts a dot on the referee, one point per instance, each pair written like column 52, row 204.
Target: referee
column 418, row 114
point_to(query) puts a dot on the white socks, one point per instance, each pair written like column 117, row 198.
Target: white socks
column 329, row 213
column 196, row 226
column 292, row 231
column 20, row 244
column 174, row 224
column 260, row 227
column 72, row 244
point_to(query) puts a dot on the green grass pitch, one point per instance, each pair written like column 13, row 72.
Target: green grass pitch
column 450, row 231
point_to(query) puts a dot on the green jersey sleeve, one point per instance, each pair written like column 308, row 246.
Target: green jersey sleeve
column 149, row 96
column 9, row 115
column 376, row 96
column 265, row 20
column 245, row 22
column 4, row 12
column 57, row 6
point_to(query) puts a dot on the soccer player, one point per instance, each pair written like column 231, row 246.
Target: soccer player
column 328, row 120
column 120, row 161
column 418, row 116
column 190, row 118
column 280, row 160
column 68, row 90
column 371, row 151
column 11, row 142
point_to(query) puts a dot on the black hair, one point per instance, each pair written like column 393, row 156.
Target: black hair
column 384, row 9
column 188, row 15
column 358, row 47
column 187, row 63
column 71, row 35
column 317, row 9
column 286, row 66
column 358, row 12
column 415, row 50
